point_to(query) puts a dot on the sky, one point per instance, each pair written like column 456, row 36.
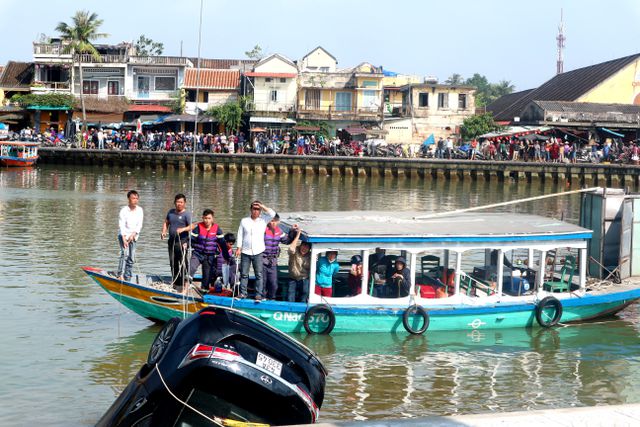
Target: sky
column 503, row 40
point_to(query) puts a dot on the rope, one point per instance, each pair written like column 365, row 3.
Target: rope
column 511, row 202
column 215, row 420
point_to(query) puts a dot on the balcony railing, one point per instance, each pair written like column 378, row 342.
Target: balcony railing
column 159, row 60
column 47, row 87
column 86, row 58
column 49, row 49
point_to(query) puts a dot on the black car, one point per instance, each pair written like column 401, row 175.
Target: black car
column 221, row 366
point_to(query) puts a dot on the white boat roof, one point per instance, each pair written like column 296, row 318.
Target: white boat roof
column 404, row 226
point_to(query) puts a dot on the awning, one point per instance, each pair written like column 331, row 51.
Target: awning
column 612, row 132
column 306, row 128
column 515, row 130
column 258, row 130
column 279, row 120
column 7, row 117
column 356, row 131
column 102, row 117
column 149, row 108
column 188, row 118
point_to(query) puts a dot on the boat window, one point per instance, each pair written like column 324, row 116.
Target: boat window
column 333, row 269
column 561, row 271
column 435, row 274
column 390, row 273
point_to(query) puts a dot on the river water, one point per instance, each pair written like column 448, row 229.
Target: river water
column 68, row 349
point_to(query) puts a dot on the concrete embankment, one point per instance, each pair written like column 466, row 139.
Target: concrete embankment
column 600, row 416
column 582, row 174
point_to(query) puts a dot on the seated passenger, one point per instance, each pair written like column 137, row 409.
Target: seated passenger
column 399, row 282
column 327, row 268
column 355, row 276
column 231, row 266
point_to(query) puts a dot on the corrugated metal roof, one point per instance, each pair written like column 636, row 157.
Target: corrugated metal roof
column 567, row 86
column 587, row 107
column 17, row 75
column 212, row 79
column 224, row 64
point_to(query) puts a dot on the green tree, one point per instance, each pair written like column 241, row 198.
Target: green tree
column 477, row 125
column 79, row 36
column 454, row 79
column 229, row 114
column 488, row 92
column 255, row 53
column 178, row 102
column 148, row 47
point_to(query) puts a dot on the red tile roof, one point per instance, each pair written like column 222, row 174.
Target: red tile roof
column 212, row 79
column 256, row 74
column 149, row 108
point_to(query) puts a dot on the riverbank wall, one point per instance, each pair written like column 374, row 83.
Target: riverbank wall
column 581, row 174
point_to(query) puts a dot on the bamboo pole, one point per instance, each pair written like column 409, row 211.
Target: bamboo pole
column 511, row 202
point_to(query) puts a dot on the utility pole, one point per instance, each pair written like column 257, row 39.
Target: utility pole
column 180, row 48
column 561, row 39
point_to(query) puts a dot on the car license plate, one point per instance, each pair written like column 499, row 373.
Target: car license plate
column 269, row 364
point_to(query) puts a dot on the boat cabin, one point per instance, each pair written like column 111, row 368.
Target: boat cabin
column 18, row 150
column 458, row 259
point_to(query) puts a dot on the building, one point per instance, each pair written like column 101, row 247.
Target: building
column 212, row 87
column 271, row 87
column 611, row 82
column 429, row 108
column 344, row 98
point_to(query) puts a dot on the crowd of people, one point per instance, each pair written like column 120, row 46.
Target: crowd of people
column 203, row 245
column 526, row 148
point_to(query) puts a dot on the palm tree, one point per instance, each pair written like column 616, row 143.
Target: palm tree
column 79, row 35
column 454, row 79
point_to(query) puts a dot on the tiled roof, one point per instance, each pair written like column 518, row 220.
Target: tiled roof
column 17, row 75
column 155, row 108
column 224, row 64
column 567, row 86
column 212, row 79
column 505, row 101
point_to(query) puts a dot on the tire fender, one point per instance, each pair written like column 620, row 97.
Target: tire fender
column 417, row 309
column 315, row 310
column 548, row 302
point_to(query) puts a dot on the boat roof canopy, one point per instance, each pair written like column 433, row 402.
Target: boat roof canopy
column 406, row 226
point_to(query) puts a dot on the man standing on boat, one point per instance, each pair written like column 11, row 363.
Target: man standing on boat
column 177, row 218
column 129, row 224
column 251, row 246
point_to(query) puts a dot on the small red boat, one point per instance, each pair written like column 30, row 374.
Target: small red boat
column 13, row 153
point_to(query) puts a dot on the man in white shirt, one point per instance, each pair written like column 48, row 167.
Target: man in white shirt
column 251, row 246
column 130, row 224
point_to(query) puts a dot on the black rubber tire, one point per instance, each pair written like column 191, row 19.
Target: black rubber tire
column 418, row 310
column 162, row 340
column 549, row 302
column 318, row 309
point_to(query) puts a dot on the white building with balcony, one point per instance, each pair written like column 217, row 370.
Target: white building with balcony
column 212, row 87
column 272, row 87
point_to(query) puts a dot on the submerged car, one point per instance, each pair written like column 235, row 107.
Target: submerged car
column 223, row 366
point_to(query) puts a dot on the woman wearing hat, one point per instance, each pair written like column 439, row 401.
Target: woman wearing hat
column 399, row 284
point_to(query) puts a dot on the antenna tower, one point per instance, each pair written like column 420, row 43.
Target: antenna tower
column 561, row 39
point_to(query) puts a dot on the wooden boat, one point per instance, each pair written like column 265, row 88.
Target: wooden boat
column 14, row 153
column 468, row 272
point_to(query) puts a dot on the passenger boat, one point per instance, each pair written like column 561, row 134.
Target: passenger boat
column 14, row 153
column 467, row 272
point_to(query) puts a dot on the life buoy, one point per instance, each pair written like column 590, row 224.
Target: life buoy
column 313, row 313
column 413, row 310
column 541, row 316
column 162, row 340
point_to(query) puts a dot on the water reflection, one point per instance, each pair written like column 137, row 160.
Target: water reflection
column 55, row 219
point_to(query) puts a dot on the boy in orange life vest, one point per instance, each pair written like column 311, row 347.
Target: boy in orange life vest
column 206, row 239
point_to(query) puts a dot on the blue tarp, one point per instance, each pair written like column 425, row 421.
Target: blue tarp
column 429, row 141
column 612, row 132
column 389, row 73
column 3, row 126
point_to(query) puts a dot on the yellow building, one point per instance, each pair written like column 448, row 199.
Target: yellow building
column 612, row 82
column 344, row 98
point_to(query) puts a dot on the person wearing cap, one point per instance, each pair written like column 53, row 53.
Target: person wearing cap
column 399, row 283
column 251, row 246
column 355, row 275
column 325, row 271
